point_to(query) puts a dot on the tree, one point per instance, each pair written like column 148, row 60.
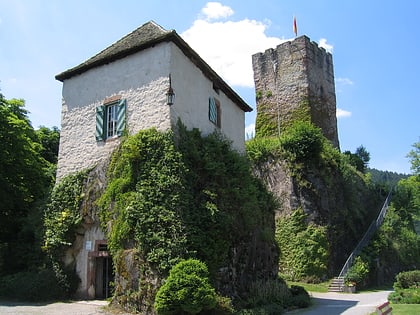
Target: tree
column 364, row 156
column 24, row 180
column 414, row 156
column 359, row 159
column 49, row 139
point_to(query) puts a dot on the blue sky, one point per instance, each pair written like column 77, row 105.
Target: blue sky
column 375, row 47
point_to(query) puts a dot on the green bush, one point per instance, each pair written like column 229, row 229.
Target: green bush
column 273, row 297
column 270, row 309
column 261, row 149
column 405, row 296
column 302, row 142
column 31, row 286
column 223, row 306
column 358, row 272
column 268, row 292
column 300, row 297
column 407, row 280
column 186, row 290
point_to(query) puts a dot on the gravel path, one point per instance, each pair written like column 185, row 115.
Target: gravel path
column 61, row 308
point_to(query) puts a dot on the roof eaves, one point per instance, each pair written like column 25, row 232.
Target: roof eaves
column 94, row 62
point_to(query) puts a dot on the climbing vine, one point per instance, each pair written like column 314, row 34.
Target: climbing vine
column 145, row 197
column 62, row 217
column 62, row 213
column 173, row 196
column 303, row 248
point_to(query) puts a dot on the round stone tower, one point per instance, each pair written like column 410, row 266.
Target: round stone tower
column 295, row 81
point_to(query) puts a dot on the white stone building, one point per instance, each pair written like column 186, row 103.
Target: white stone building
column 124, row 87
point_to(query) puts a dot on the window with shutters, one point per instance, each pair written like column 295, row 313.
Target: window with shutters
column 110, row 120
column 214, row 111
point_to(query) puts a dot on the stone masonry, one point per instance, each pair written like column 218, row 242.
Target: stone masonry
column 294, row 74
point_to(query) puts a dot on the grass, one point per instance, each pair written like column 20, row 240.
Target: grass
column 311, row 287
column 405, row 309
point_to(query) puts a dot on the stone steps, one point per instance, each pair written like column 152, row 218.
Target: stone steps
column 336, row 285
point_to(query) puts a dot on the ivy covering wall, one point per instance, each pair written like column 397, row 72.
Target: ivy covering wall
column 175, row 196
column 329, row 203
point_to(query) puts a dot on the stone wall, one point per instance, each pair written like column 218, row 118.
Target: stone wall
column 142, row 80
column 295, row 74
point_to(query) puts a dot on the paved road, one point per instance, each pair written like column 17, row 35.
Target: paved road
column 323, row 304
column 345, row 304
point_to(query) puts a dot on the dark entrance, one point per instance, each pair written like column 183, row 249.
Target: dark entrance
column 104, row 277
column 104, row 272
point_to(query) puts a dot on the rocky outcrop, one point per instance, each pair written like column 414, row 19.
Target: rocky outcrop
column 342, row 203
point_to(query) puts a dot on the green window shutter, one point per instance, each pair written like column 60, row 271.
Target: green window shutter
column 100, row 119
column 121, row 117
column 212, row 110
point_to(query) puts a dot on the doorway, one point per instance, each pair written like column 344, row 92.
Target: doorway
column 104, row 277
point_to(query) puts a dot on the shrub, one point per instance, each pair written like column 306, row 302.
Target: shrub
column 300, row 297
column 268, row 292
column 302, row 142
column 271, row 309
column 261, row 149
column 223, row 306
column 186, row 290
column 31, row 286
column 273, row 297
column 358, row 272
column 407, row 280
column 405, row 296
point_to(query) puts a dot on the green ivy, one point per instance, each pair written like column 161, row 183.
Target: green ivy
column 266, row 123
column 62, row 213
column 61, row 219
column 145, row 197
column 174, row 196
column 303, row 247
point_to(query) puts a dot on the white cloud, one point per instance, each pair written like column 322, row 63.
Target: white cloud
column 341, row 113
column 228, row 46
column 323, row 44
column 344, row 81
column 216, row 10
column 250, row 131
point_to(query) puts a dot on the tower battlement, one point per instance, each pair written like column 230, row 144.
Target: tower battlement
column 294, row 81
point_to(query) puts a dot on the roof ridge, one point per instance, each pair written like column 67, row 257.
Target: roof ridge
column 120, row 48
column 143, row 37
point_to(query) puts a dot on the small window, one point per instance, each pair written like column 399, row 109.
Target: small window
column 214, row 111
column 110, row 120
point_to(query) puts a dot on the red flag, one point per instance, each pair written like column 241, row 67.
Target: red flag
column 294, row 26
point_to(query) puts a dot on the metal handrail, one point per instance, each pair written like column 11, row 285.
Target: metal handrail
column 373, row 227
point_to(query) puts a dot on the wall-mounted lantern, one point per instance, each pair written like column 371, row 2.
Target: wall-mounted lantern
column 170, row 95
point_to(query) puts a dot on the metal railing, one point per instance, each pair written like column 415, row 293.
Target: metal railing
column 368, row 235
